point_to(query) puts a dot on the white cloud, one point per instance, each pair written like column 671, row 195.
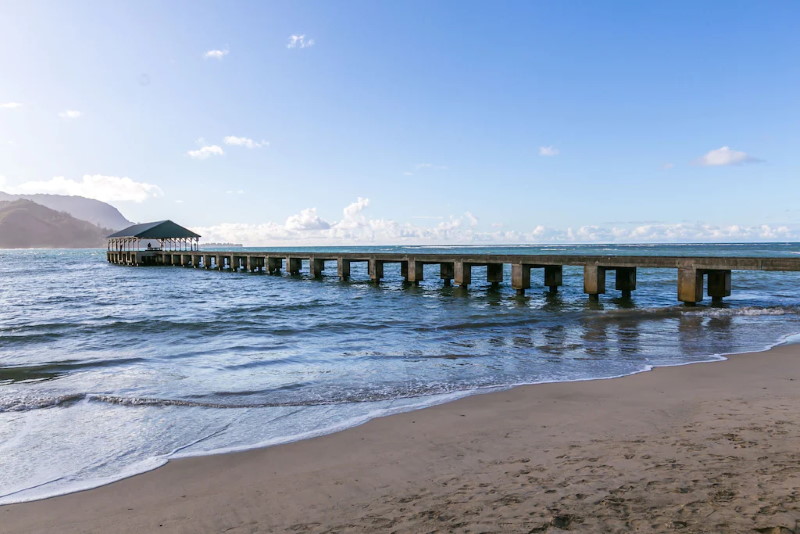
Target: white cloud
column 70, row 114
column 244, row 141
column 10, row 105
column 548, row 151
column 216, row 54
column 206, row 152
column 97, row 186
column 667, row 166
column 355, row 227
column 299, row 41
column 725, row 156
column 306, row 220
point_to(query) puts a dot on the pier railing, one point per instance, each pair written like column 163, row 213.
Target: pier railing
column 693, row 271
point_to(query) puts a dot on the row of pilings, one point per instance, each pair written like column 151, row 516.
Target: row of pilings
column 694, row 274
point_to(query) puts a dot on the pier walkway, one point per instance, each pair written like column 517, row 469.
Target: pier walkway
column 693, row 272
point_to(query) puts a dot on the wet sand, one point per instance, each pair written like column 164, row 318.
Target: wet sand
column 711, row 447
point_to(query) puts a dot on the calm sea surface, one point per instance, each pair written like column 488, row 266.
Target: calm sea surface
column 106, row 371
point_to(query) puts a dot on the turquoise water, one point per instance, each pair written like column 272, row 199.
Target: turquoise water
column 106, row 371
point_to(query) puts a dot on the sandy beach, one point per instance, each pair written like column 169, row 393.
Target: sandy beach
column 709, row 447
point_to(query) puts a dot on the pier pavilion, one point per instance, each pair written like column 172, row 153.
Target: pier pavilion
column 135, row 245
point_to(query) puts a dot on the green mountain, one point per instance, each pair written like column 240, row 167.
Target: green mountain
column 26, row 224
column 87, row 209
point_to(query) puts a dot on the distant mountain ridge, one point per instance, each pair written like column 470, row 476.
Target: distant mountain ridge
column 26, row 224
column 86, row 209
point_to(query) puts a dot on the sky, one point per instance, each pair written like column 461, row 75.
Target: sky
column 378, row 122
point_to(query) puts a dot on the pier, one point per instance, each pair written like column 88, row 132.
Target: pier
column 693, row 273
column 168, row 244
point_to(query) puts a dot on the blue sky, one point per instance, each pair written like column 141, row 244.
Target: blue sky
column 399, row 122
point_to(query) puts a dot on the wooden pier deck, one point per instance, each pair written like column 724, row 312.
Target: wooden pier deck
column 693, row 271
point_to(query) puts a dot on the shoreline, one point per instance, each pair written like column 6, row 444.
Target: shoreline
column 504, row 457
column 159, row 462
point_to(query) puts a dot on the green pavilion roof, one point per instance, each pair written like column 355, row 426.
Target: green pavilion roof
column 155, row 230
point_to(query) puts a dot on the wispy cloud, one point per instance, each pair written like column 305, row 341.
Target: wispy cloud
column 70, row 114
column 97, row 186
column 244, row 141
column 548, row 151
column 216, row 54
column 10, row 105
column 299, row 41
column 667, row 166
column 206, row 152
column 725, row 156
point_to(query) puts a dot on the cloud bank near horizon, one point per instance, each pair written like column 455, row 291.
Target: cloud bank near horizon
column 308, row 228
column 96, row 186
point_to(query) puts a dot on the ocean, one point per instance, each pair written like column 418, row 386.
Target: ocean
column 107, row 371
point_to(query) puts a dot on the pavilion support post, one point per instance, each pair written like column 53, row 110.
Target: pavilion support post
column 375, row 268
column 594, row 281
column 520, row 278
column 553, row 277
column 343, row 269
column 447, row 272
column 463, row 273
column 719, row 285
column 625, row 280
column 690, row 285
column 293, row 265
column 494, row 274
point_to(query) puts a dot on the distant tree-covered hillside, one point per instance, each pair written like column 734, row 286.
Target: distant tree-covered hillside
column 26, row 224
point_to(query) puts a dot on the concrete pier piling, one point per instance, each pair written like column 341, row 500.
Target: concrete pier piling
column 274, row 265
column 414, row 271
column 520, row 278
column 375, row 268
column 457, row 268
column 553, row 277
column 625, row 280
column 594, row 281
column 293, row 265
column 719, row 285
column 315, row 267
column 343, row 269
column 447, row 272
column 463, row 273
column 494, row 274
